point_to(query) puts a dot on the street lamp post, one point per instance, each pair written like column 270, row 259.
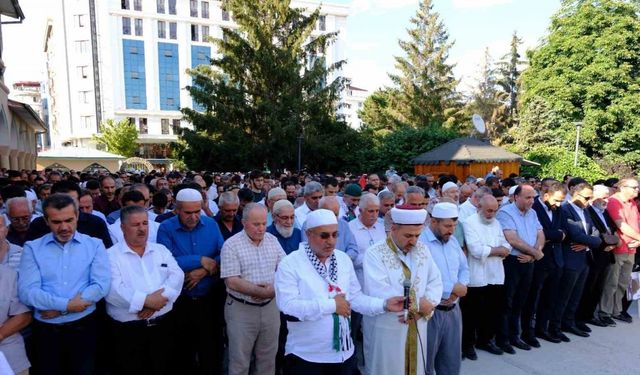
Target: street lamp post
column 575, row 156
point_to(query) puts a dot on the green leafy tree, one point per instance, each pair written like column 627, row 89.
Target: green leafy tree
column 588, row 70
column 425, row 81
column 557, row 162
column 379, row 111
column 120, row 138
column 537, row 126
column 269, row 86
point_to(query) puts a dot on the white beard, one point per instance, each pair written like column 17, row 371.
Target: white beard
column 284, row 231
column 486, row 221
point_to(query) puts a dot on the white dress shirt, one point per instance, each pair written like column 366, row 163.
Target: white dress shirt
column 302, row 293
column 133, row 277
column 365, row 238
column 301, row 215
column 117, row 236
column 466, row 209
column 481, row 237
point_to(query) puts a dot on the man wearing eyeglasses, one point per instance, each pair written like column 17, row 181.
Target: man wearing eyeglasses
column 624, row 212
column 283, row 226
column 19, row 213
column 316, row 287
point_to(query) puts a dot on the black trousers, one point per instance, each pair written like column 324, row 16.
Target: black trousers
column 593, row 287
column 295, row 365
column 68, row 348
column 141, row 348
column 282, row 341
column 542, row 294
column 481, row 309
column 198, row 335
column 569, row 295
column 517, row 281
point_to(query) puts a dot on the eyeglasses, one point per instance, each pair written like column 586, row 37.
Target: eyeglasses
column 586, row 198
column 326, row 235
column 292, row 217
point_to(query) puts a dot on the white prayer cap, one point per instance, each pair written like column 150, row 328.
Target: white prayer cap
column 600, row 190
column 189, row 195
column 445, row 210
column 407, row 215
column 479, row 179
column 512, row 189
column 282, row 203
column 449, row 185
column 319, row 218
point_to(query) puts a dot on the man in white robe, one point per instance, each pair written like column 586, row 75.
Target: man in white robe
column 393, row 345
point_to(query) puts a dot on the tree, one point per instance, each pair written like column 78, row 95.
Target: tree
column 556, row 162
column 484, row 98
column 120, row 138
column 379, row 111
column 270, row 85
column 508, row 72
column 537, row 126
column 425, row 81
column 588, row 70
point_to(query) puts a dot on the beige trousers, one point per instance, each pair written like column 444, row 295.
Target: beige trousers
column 252, row 330
column 616, row 285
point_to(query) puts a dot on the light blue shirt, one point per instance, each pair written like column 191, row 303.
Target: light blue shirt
column 52, row 273
column 450, row 260
column 525, row 224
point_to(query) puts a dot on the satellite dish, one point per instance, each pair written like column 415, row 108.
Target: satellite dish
column 478, row 123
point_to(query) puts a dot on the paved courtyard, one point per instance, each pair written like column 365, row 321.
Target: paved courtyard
column 608, row 351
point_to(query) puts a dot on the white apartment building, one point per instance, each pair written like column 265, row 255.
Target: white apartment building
column 128, row 59
column 352, row 102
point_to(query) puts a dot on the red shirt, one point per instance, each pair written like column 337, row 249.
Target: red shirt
column 628, row 213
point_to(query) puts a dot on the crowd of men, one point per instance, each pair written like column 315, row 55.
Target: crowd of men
column 204, row 273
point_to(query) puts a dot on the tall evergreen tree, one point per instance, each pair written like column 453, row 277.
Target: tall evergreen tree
column 425, row 80
column 508, row 72
column 269, row 85
column 484, row 97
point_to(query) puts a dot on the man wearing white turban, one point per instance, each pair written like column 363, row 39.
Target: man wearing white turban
column 400, row 265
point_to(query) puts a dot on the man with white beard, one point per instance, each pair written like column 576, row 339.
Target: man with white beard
column 487, row 247
column 283, row 226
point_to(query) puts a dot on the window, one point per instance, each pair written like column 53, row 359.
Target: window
column 82, row 46
column 322, row 23
column 126, row 25
column 135, row 75
column 168, row 52
column 162, row 29
column 133, row 50
column 83, row 71
column 137, row 4
column 143, row 129
column 160, row 6
column 205, row 9
column 138, row 27
column 164, row 124
column 83, row 96
column 87, row 121
column 125, row 4
column 194, row 33
column 173, row 30
column 170, row 102
column 205, row 33
column 79, row 20
column 225, row 15
column 135, row 99
column 176, row 126
column 172, row 6
column 132, row 120
column 193, row 8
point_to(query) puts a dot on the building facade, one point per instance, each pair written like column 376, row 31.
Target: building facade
column 19, row 123
column 128, row 59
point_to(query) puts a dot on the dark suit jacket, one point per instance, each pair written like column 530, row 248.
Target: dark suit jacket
column 599, row 255
column 554, row 231
column 576, row 260
column 88, row 224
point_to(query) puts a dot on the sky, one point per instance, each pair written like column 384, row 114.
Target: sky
column 373, row 30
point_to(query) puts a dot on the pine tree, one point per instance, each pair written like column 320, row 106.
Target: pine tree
column 508, row 72
column 485, row 96
column 425, row 79
column 269, row 86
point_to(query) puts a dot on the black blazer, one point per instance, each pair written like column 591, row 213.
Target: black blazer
column 576, row 260
column 599, row 255
column 554, row 230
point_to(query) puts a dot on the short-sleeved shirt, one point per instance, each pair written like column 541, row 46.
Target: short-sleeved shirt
column 254, row 263
column 13, row 346
column 627, row 212
column 525, row 224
